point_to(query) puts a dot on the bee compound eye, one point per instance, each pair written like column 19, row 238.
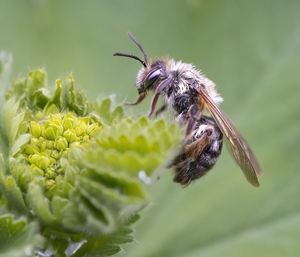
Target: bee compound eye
column 150, row 79
column 153, row 75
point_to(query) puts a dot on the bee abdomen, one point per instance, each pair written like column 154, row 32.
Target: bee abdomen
column 186, row 169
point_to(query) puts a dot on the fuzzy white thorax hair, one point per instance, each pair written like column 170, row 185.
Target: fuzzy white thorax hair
column 188, row 71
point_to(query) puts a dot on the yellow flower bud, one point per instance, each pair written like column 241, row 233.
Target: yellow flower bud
column 70, row 135
column 36, row 170
column 85, row 120
column 41, row 160
column 43, row 144
column 56, row 118
column 50, row 173
column 54, row 154
column 69, row 122
column 49, row 133
column 81, row 127
column 35, row 142
column 50, row 184
column 61, row 143
column 93, row 129
column 64, row 153
column 33, row 159
column 50, row 144
column 30, row 149
column 52, row 160
column 86, row 139
column 52, row 130
column 35, row 129
column 76, row 144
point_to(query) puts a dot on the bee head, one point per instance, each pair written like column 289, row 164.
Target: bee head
column 148, row 77
column 149, row 74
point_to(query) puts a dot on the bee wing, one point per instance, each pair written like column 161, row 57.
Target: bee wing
column 240, row 149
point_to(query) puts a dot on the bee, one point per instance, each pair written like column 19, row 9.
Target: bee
column 189, row 94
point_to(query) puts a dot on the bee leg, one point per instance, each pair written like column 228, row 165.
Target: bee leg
column 188, row 164
column 189, row 127
column 153, row 104
column 194, row 115
column 140, row 99
column 192, row 150
column 161, row 109
column 163, row 85
column 158, row 91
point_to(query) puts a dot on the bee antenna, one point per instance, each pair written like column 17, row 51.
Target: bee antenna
column 131, row 56
column 139, row 46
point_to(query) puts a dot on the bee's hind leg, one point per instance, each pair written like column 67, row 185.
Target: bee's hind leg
column 187, row 164
column 193, row 149
column 194, row 115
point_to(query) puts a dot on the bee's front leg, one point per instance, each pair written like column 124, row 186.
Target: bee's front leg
column 161, row 109
column 140, row 98
column 165, row 83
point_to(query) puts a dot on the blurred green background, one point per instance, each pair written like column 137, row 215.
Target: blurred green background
column 251, row 49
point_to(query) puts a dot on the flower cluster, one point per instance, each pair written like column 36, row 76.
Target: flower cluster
column 51, row 140
column 75, row 171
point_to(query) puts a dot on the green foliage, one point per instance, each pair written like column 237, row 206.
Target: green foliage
column 78, row 170
column 17, row 237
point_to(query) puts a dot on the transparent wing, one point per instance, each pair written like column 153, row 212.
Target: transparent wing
column 240, row 149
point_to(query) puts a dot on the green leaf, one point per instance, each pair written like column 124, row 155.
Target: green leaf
column 13, row 117
column 109, row 244
column 73, row 99
column 16, row 147
column 107, row 115
column 35, row 81
column 12, row 194
column 17, row 237
column 40, row 204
